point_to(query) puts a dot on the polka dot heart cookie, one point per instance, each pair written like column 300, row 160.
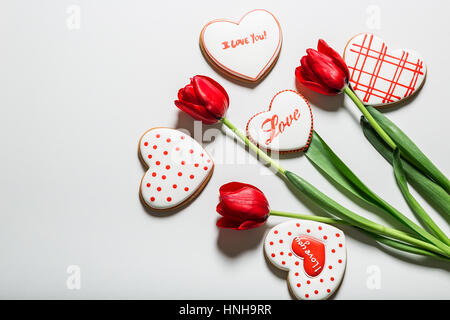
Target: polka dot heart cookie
column 178, row 168
column 313, row 253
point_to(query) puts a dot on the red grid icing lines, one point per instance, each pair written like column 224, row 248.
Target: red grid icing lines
column 375, row 72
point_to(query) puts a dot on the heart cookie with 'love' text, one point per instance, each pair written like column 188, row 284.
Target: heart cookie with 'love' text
column 313, row 253
column 246, row 49
column 379, row 75
column 287, row 125
column 178, row 168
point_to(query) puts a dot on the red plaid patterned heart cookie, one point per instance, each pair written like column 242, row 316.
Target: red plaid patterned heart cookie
column 379, row 75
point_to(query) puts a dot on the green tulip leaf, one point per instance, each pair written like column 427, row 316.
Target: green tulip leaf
column 400, row 177
column 409, row 149
column 380, row 239
column 334, row 208
column 323, row 157
column 405, row 247
column 437, row 197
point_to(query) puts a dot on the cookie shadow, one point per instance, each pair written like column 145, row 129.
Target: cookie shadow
column 223, row 74
column 286, row 155
column 402, row 103
column 398, row 105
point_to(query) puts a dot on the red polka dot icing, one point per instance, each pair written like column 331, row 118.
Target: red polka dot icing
column 313, row 253
column 172, row 177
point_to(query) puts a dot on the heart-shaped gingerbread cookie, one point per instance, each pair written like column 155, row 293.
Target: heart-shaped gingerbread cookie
column 178, row 168
column 246, row 49
column 286, row 127
column 379, row 75
column 313, row 253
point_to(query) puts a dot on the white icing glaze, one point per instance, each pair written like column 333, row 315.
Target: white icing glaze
column 379, row 75
column 177, row 167
column 246, row 49
column 286, row 126
column 278, row 247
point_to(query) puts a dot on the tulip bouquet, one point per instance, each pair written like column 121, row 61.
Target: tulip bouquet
column 324, row 71
column 206, row 100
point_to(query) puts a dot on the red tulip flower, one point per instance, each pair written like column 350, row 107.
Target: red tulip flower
column 323, row 70
column 203, row 99
column 242, row 206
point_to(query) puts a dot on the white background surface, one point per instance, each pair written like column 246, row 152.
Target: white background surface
column 74, row 104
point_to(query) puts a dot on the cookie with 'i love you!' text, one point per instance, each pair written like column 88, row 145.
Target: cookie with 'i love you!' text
column 246, row 49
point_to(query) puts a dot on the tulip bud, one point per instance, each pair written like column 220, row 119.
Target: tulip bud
column 203, row 99
column 323, row 70
column 242, row 206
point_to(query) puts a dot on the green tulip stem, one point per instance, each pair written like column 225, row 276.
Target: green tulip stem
column 252, row 146
column 386, row 241
column 308, row 217
column 349, row 92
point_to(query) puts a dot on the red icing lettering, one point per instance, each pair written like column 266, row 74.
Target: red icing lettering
column 239, row 42
column 312, row 252
column 273, row 124
column 275, row 127
column 255, row 37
